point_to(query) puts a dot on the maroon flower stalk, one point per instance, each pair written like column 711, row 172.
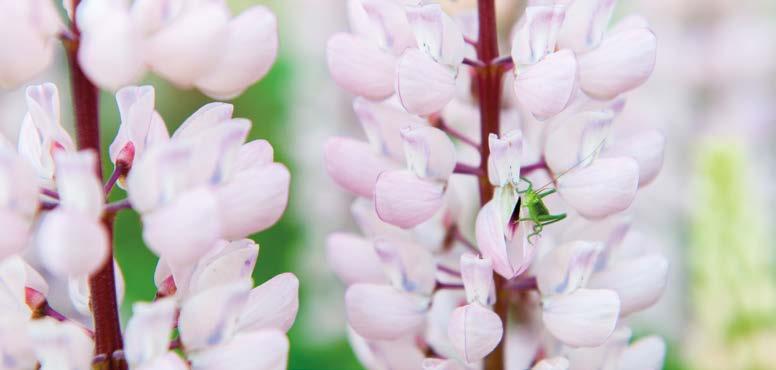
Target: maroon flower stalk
column 489, row 95
column 102, row 284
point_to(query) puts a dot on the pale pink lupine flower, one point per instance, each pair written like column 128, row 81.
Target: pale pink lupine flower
column 18, row 202
column 605, row 187
column 141, row 126
column 60, row 345
column 31, row 28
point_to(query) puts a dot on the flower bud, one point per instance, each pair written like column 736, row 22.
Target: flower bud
column 505, row 158
column 141, row 126
column 477, row 276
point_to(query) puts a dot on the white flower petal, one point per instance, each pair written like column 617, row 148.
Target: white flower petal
column 584, row 318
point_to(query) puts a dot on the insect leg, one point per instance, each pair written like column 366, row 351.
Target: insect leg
column 547, row 192
column 551, row 219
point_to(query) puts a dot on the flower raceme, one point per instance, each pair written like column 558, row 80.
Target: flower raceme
column 200, row 192
column 189, row 43
column 420, row 294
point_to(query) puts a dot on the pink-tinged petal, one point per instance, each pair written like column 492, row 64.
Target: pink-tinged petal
column 585, row 24
column 209, row 318
column 382, row 22
column 263, row 350
column 429, row 152
column 71, row 244
column 208, row 116
column 505, row 158
column 353, row 259
column 159, row 176
column 644, row 354
column 61, row 345
column 370, row 224
column 191, row 45
column 383, row 354
column 576, row 139
column 474, row 331
column 16, row 233
column 438, row 35
column 168, row 361
column 33, row 25
column 424, row 86
column 233, row 262
column 136, row 107
column 537, row 31
column 253, row 154
column 604, row 188
column 185, row 229
column 584, row 318
column 503, row 242
column 239, row 66
column 272, row 305
column 623, row 62
column 555, row 363
column 80, row 297
column 354, row 165
column 148, row 331
column 216, row 150
column 360, row 67
column 404, row 200
column 477, row 276
column 20, row 187
column 43, row 109
column 253, row 200
column 603, row 356
column 77, row 183
column 439, row 364
column 409, row 266
column 111, row 50
column 382, row 122
column 545, row 88
column 35, row 280
column 647, row 148
column 13, row 278
column 639, row 282
column 381, row 312
column 567, row 267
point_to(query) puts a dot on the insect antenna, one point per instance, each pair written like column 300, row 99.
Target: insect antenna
column 581, row 161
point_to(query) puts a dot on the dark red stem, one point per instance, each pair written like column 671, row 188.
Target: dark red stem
column 102, row 285
column 489, row 96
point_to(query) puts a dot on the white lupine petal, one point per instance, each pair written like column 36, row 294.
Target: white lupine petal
column 382, row 312
column 537, row 32
column 584, row 318
column 272, row 305
column 423, row 85
column 404, row 200
column 209, row 318
column 148, row 331
column 647, row 148
column 354, row 165
column 382, row 22
column 505, row 158
column 16, row 346
column 233, row 262
column 474, row 331
column 241, row 66
column 505, row 243
column 16, row 233
column 438, row 35
column 477, row 276
column 263, row 350
column 111, row 49
column 254, row 153
column 408, row 265
column 185, row 229
column 159, row 176
column 136, row 107
column 383, row 122
column 644, row 354
column 439, row 364
column 18, row 185
column 576, row 139
column 429, row 152
column 360, row 67
column 601, row 357
column 353, row 259
column 638, row 282
column 191, row 45
column 585, row 24
column 253, row 200
column 623, row 62
column 12, row 286
column 546, row 87
column 79, row 188
column 216, row 149
column 370, row 224
column 604, row 188
column 78, row 290
column 61, row 345
column 33, row 25
column 555, row 363
column 209, row 116
column 567, row 267
column 71, row 244
column 168, row 361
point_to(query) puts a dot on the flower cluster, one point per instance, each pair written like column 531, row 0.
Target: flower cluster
column 189, row 43
column 200, row 192
column 420, row 294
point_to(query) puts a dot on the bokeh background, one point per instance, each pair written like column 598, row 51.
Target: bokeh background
column 711, row 210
